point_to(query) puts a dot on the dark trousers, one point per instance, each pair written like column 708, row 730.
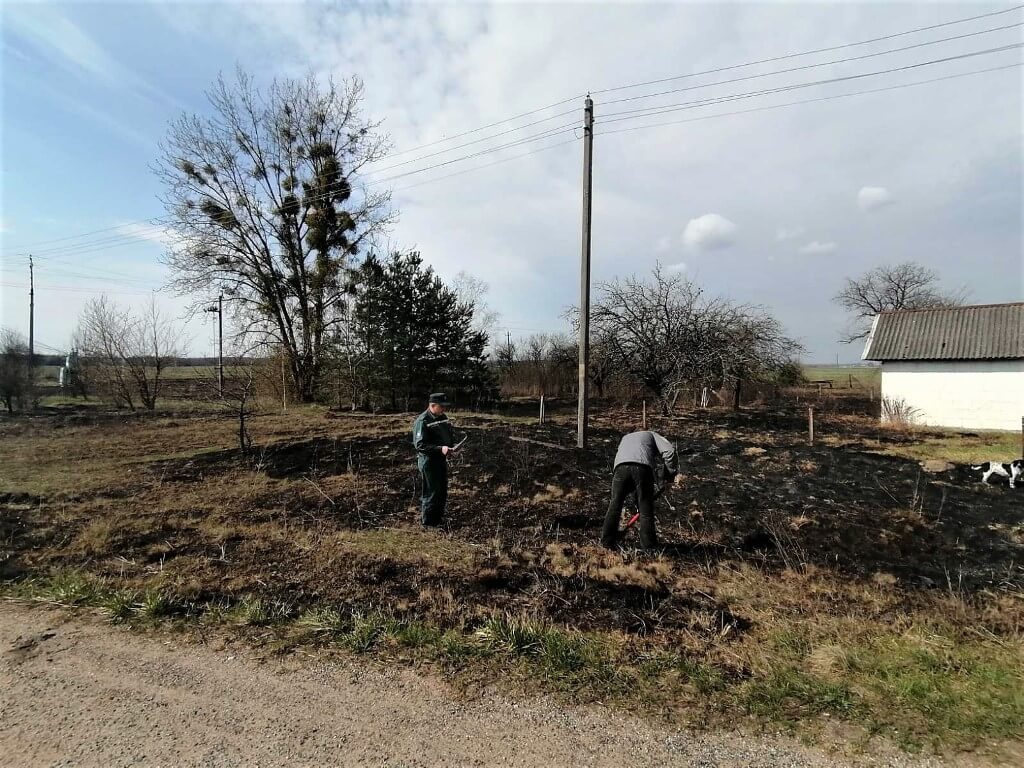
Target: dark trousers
column 638, row 478
column 434, row 471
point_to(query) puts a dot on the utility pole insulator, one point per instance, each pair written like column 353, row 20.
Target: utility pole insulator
column 582, row 414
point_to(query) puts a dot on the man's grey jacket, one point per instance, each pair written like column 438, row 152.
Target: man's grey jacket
column 650, row 449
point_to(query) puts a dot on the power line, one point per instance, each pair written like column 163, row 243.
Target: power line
column 485, row 165
column 666, row 108
column 85, row 276
column 551, row 133
column 129, row 238
column 816, row 65
column 807, row 101
column 812, row 52
column 81, row 290
column 475, row 141
column 157, row 220
column 489, row 125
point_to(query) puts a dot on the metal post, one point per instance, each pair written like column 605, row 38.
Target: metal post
column 810, row 423
column 284, row 386
column 220, row 345
column 542, row 409
column 1022, row 437
column 582, row 412
column 645, row 415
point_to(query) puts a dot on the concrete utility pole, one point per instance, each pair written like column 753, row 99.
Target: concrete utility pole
column 582, row 413
column 219, row 309
column 31, row 316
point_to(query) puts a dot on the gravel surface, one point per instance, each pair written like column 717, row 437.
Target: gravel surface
column 75, row 691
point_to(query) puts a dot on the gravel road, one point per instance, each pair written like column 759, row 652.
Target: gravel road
column 75, row 691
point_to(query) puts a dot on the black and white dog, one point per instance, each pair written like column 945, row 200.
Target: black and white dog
column 1013, row 470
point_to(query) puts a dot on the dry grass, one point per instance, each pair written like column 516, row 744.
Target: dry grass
column 170, row 529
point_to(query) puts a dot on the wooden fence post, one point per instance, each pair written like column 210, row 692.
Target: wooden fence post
column 810, row 423
column 645, row 415
column 542, row 409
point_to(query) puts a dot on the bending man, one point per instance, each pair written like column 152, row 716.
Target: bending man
column 433, row 438
column 642, row 456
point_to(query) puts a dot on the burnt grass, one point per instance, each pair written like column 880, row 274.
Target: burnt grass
column 525, row 512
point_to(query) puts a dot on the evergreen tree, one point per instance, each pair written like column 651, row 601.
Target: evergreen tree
column 417, row 335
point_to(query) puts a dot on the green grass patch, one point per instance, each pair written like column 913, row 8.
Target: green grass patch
column 789, row 695
column 937, row 690
column 862, row 376
column 959, row 447
column 260, row 612
column 922, row 687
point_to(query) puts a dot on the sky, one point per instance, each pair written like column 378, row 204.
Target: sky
column 774, row 206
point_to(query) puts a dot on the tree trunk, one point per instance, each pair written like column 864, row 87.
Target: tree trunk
column 736, row 394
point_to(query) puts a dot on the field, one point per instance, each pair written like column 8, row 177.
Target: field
column 846, row 377
column 839, row 587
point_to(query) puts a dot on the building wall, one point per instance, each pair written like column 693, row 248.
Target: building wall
column 976, row 394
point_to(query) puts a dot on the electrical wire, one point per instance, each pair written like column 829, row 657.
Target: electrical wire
column 485, row 165
column 812, row 52
column 128, row 238
column 667, row 108
column 45, row 287
column 830, row 63
column 156, row 221
column 806, row 101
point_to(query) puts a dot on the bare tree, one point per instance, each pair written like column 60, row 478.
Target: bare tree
column 664, row 334
column 238, row 397
column 753, row 347
column 603, row 365
column 472, row 290
column 15, row 372
column 646, row 325
column 908, row 285
column 265, row 205
column 546, row 361
column 124, row 355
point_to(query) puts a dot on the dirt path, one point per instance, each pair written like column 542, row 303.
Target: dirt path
column 75, row 691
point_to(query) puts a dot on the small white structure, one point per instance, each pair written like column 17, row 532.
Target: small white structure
column 954, row 367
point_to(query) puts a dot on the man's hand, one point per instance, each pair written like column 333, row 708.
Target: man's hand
column 445, row 450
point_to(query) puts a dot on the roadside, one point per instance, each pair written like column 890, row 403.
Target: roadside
column 77, row 691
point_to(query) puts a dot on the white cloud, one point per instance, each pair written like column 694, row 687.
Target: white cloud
column 816, row 248
column 438, row 70
column 709, row 232
column 677, row 267
column 872, row 198
column 663, row 245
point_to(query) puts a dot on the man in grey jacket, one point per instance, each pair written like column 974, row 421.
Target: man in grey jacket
column 642, row 457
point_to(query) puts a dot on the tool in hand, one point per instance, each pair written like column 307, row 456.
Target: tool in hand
column 636, row 515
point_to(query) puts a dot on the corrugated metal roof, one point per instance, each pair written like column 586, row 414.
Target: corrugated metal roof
column 980, row 332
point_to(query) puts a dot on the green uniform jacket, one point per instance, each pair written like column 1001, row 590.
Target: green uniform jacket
column 427, row 439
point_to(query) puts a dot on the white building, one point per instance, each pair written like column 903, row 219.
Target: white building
column 957, row 367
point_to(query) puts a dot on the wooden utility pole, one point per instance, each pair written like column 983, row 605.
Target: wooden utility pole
column 31, row 317
column 582, row 413
column 220, row 344
column 219, row 309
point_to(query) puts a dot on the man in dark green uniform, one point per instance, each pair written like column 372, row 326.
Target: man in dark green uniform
column 433, row 438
